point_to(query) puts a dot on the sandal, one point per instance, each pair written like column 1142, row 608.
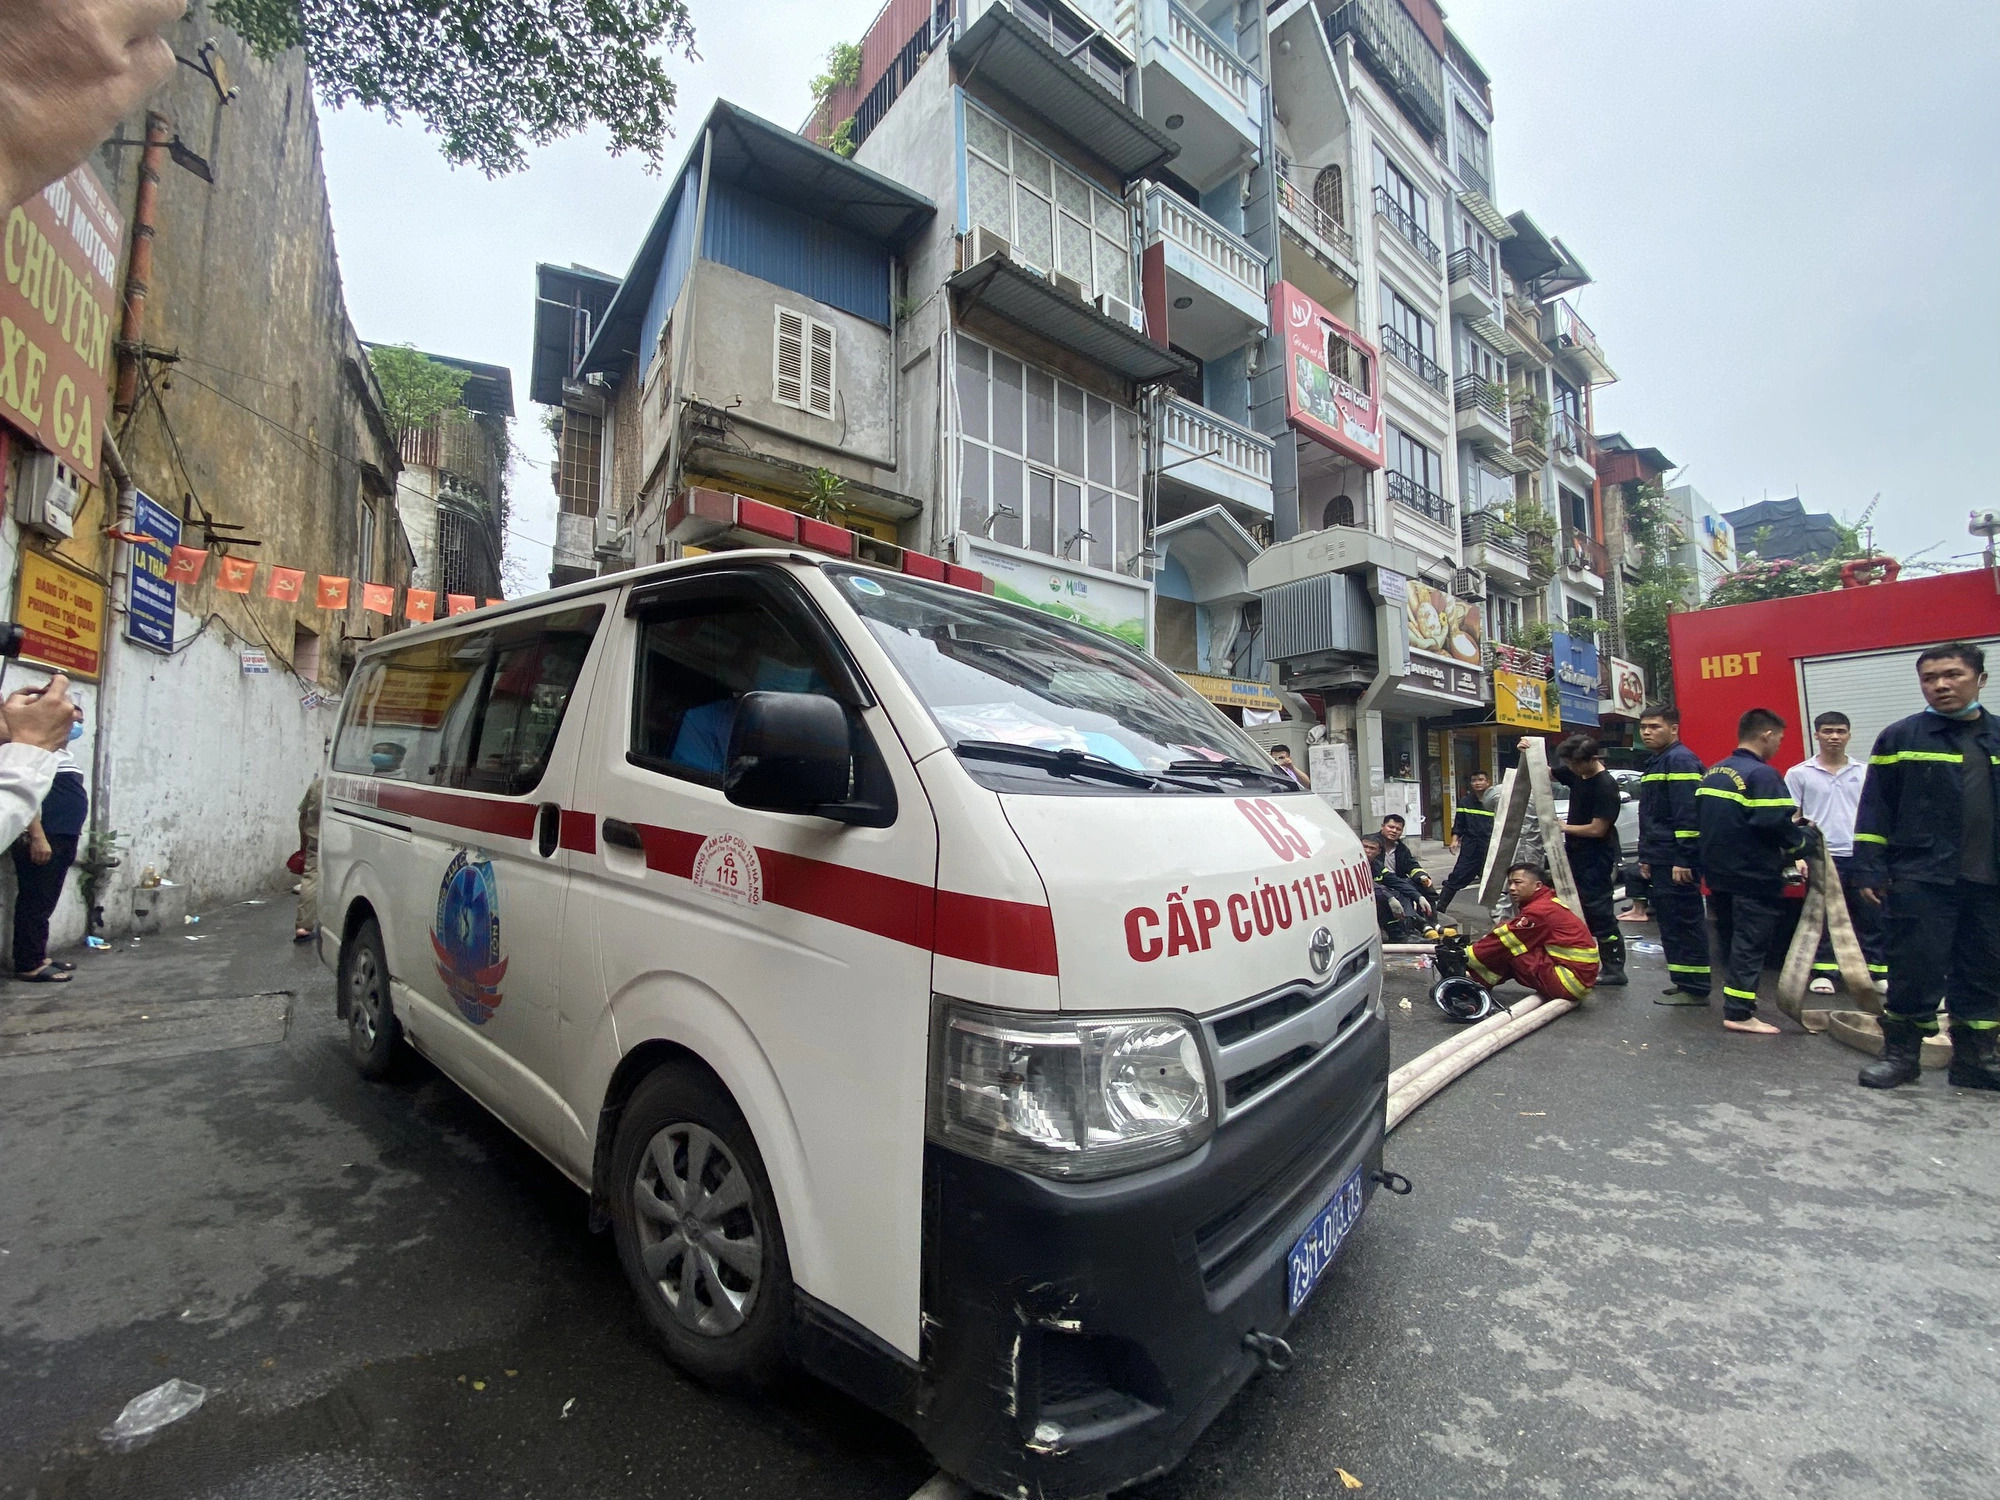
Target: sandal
column 60, row 967
column 46, row 974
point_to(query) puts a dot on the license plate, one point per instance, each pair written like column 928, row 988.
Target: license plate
column 1322, row 1240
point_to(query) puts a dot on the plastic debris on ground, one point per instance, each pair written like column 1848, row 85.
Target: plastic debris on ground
column 147, row 1413
column 189, row 921
column 96, row 942
column 1638, row 947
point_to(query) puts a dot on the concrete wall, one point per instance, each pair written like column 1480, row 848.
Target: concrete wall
column 416, row 504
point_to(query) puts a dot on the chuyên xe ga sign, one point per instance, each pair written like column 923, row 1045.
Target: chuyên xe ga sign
column 58, row 253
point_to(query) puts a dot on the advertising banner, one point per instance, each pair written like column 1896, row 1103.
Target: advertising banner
column 1526, row 701
column 1624, row 689
column 1330, row 374
column 1115, row 605
column 58, row 253
column 149, row 598
column 1576, row 678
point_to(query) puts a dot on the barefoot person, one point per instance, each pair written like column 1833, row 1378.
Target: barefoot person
column 1749, row 839
column 1924, row 841
column 1545, row 945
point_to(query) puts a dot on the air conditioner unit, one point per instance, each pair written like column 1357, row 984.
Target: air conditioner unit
column 985, row 245
column 1068, row 284
column 45, row 499
column 613, row 537
column 1468, row 583
column 1120, row 311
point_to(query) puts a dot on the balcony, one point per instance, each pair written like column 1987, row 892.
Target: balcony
column 1472, row 172
column 1413, row 359
column 1412, row 232
column 1494, row 545
column 1472, row 294
column 1482, row 413
column 1571, row 446
column 1391, row 46
column 1428, row 503
column 1531, row 439
column 1317, row 229
column 1199, row 91
column 1215, row 459
column 1217, row 287
column 1571, row 339
column 1584, row 555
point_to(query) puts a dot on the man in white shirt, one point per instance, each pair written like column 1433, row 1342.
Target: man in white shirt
column 1828, row 791
column 35, row 724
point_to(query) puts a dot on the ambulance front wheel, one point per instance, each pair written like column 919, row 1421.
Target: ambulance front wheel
column 698, row 1232
column 374, row 1035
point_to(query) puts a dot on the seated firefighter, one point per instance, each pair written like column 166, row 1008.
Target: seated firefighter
column 1400, row 907
column 1544, row 945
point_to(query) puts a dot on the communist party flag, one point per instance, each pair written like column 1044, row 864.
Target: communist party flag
column 332, row 592
column 286, row 584
column 236, row 574
column 420, row 605
column 186, row 563
column 461, row 604
column 380, row 598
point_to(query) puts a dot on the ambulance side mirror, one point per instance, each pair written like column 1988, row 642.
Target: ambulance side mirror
column 793, row 753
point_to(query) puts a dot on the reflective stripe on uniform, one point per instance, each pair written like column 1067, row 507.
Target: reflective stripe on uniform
column 1475, row 812
column 1976, row 1025
column 1574, row 955
column 1736, row 994
column 1949, row 757
column 1512, row 944
column 1688, row 969
column 1716, row 791
column 1672, row 776
column 1485, row 974
column 1571, row 983
column 1870, row 838
column 1687, row 833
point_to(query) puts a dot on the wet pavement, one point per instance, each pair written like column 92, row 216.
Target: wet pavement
column 1642, row 1257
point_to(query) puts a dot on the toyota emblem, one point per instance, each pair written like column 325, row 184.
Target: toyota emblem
column 1320, row 949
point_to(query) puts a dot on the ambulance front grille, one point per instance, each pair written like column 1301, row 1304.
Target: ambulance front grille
column 1272, row 1037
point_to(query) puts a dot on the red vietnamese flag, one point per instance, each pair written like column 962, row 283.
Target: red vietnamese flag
column 332, row 592
column 186, row 563
column 236, row 574
column 286, row 584
column 420, row 605
column 461, row 604
column 379, row 598
column 491, row 602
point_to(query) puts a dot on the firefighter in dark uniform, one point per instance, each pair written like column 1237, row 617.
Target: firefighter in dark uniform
column 1924, row 841
column 1590, row 838
column 1670, row 855
column 1472, row 831
column 1749, row 840
column 1398, row 858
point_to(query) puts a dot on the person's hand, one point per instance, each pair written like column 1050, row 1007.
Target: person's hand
column 39, row 850
column 1683, row 874
column 1645, row 872
column 1871, row 894
column 41, row 716
column 69, row 71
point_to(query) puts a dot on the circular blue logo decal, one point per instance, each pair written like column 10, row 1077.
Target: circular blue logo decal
column 866, row 586
column 466, row 936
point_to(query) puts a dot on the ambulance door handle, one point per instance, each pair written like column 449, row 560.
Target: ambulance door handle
column 548, row 829
column 622, row 835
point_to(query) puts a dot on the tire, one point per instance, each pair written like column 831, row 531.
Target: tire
column 374, row 1035
column 719, row 1301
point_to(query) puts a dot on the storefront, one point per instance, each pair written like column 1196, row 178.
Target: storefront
column 1234, row 695
column 1576, row 672
column 1621, row 699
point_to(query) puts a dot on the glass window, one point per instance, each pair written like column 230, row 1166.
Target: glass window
column 530, row 683
column 1054, row 218
column 972, row 390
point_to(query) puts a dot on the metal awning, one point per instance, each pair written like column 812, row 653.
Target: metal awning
column 1540, row 261
column 783, row 165
column 1496, row 338
column 999, row 49
column 1032, row 302
column 1486, row 215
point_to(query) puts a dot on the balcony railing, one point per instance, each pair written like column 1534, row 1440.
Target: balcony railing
column 1487, row 395
column 1201, row 433
column 1474, row 175
column 1477, row 528
column 1570, row 441
column 1413, row 359
column 1411, row 495
column 1173, row 218
column 1530, row 438
column 1407, row 226
column 1207, row 55
column 1321, row 225
column 1470, row 265
column 1398, row 53
column 1585, row 554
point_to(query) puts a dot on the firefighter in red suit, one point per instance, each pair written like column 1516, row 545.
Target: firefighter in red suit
column 1545, row 946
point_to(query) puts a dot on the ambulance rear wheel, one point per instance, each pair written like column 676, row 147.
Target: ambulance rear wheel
column 697, row 1230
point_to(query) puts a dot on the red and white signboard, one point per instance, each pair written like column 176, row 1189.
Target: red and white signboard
column 1330, row 378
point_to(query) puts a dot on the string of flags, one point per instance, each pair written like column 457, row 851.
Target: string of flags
column 235, row 575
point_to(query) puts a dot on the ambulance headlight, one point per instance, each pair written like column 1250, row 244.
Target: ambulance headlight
column 1075, row 1097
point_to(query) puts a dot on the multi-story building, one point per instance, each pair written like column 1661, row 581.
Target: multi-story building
column 451, row 490
column 1624, row 472
column 1709, row 551
column 1779, row 529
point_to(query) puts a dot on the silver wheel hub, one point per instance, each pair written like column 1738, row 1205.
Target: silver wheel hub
column 698, row 1230
column 364, row 999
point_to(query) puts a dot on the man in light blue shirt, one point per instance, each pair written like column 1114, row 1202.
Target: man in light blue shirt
column 1828, row 791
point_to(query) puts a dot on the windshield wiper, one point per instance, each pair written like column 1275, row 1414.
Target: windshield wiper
column 1056, row 762
column 1232, row 768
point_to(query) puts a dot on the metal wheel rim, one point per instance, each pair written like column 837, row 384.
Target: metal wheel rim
column 364, row 1000
column 699, row 1236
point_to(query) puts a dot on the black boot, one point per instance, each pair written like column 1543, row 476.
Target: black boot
column 1902, row 1056
column 1611, row 962
column 1973, row 1065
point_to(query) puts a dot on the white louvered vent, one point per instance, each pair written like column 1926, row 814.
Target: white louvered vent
column 819, row 370
column 788, row 361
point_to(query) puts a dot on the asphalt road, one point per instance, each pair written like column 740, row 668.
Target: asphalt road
column 1643, row 1258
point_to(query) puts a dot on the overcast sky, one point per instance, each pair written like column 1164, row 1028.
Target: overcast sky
column 1790, row 208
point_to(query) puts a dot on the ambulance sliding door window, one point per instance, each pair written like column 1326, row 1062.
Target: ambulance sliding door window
column 531, row 672
column 409, row 711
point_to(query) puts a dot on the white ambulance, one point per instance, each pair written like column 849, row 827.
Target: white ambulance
column 927, row 991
